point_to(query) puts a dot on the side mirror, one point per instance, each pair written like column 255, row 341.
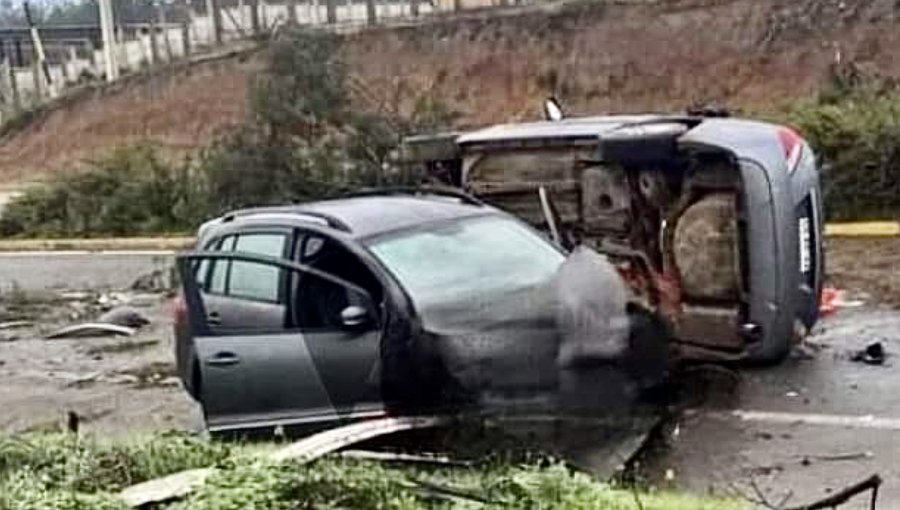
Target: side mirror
column 355, row 317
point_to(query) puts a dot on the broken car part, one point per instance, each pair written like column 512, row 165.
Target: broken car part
column 91, row 329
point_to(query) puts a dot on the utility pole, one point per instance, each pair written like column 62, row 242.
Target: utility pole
column 331, row 11
column 254, row 17
column 109, row 40
column 164, row 29
column 292, row 12
column 40, row 64
column 215, row 16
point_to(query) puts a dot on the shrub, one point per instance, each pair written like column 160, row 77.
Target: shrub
column 130, row 191
column 305, row 141
column 854, row 127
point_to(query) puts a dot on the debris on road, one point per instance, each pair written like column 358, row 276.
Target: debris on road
column 15, row 324
column 155, row 281
column 90, row 329
column 834, row 299
column 873, row 354
column 839, row 457
column 405, row 458
column 872, row 484
column 124, row 316
column 181, row 484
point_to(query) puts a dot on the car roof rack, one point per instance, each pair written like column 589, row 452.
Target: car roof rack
column 294, row 210
column 424, row 190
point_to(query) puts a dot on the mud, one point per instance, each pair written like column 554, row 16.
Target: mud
column 866, row 268
column 118, row 385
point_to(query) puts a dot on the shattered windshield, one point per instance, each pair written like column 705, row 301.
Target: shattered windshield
column 468, row 257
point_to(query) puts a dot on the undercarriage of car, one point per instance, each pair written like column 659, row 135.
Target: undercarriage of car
column 673, row 229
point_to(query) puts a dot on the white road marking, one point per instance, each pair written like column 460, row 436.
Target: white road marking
column 867, row 421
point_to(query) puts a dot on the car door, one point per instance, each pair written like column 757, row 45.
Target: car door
column 239, row 296
column 268, row 374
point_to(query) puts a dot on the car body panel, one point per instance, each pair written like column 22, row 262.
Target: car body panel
column 256, row 375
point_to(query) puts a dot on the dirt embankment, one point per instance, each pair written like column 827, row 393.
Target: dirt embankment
column 748, row 54
column 868, row 268
column 180, row 111
column 597, row 57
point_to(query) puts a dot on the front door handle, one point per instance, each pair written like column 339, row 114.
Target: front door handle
column 214, row 319
column 221, row 359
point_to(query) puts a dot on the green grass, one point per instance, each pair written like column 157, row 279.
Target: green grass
column 62, row 472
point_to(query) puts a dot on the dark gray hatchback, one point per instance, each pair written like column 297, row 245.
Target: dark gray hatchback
column 351, row 308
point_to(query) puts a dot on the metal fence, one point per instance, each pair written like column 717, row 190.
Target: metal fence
column 36, row 68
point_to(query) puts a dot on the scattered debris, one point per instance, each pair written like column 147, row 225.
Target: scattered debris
column 84, row 380
column 873, row 354
column 90, row 329
column 449, row 493
column 152, row 375
column 873, row 483
column 834, row 299
column 120, row 347
column 405, row 458
column 72, row 421
column 124, row 316
column 308, row 449
column 15, row 324
column 155, row 281
column 840, row 457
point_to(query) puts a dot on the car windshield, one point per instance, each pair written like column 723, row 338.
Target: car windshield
column 474, row 256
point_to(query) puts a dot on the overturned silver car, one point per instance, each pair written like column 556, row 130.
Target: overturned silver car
column 715, row 222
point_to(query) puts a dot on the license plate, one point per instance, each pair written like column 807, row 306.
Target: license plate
column 805, row 250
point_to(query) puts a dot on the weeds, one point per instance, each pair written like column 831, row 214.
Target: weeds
column 63, row 472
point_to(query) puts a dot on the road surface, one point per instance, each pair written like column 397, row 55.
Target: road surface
column 808, row 427
column 38, row 271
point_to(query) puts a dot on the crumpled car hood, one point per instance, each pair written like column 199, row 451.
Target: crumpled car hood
column 540, row 345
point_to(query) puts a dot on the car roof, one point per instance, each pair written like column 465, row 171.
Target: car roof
column 359, row 217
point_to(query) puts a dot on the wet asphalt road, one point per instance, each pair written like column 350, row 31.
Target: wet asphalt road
column 807, row 428
column 36, row 271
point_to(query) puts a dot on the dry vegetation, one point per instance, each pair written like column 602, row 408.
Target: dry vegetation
column 749, row 54
column 866, row 266
column 597, row 57
column 179, row 112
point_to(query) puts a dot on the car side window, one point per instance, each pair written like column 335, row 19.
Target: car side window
column 248, row 280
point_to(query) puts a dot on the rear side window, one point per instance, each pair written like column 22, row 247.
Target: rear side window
column 247, row 280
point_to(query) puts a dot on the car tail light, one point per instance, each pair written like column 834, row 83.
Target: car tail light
column 792, row 144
